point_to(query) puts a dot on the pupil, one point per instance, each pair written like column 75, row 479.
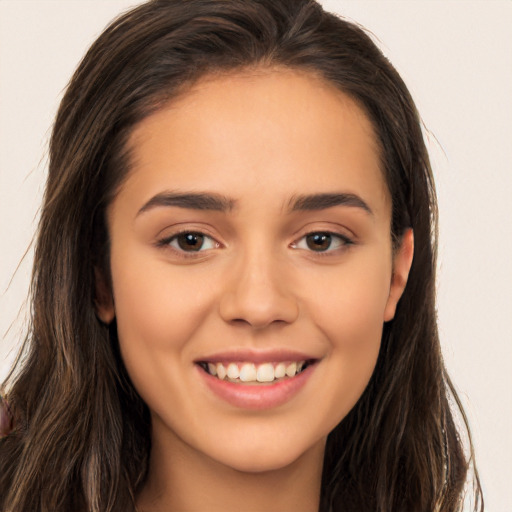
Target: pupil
column 319, row 241
column 190, row 241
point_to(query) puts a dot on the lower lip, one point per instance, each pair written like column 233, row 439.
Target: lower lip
column 257, row 397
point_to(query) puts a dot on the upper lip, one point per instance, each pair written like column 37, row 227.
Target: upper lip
column 255, row 356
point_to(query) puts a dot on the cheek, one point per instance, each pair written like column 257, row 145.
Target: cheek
column 350, row 316
column 157, row 310
column 352, row 298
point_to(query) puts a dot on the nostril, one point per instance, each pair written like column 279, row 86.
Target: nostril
column 259, row 314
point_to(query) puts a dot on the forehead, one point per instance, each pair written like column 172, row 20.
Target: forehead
column 258, row 131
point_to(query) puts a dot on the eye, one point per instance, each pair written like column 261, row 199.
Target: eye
column 322, row 241
column 190, row 241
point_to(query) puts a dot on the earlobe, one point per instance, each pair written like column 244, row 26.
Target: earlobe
column 402, row 262
column 103, row 301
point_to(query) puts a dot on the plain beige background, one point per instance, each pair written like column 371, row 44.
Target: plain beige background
column 456, row 58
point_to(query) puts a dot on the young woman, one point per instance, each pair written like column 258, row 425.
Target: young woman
column 233, row 289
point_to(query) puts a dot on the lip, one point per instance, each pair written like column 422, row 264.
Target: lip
column 260, row 396
column 256, row 356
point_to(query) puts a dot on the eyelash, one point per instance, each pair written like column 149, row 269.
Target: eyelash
column 343, row 243
column 166, row 243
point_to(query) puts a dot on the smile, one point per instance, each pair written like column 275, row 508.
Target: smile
column 250, row 372
column 256, row 384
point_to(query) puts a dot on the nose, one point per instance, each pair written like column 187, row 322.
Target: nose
column 258, row 294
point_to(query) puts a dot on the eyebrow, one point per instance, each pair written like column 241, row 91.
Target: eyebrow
column 189, row 200
column 329, row 200
column 220, row 203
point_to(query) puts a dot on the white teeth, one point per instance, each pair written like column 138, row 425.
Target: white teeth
column 291, row 369
column 233, row 371
column 248, row 373
column 280, row 370
column 221, row 371
column 265, row 373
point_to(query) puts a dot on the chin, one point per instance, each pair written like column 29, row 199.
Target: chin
column 259, row 459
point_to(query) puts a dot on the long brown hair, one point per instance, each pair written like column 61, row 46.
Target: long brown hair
column 82, row 436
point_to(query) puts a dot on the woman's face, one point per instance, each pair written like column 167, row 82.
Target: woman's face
column 252, row 236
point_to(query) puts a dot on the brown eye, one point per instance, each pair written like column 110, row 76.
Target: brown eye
column 322, row 241
column 319, row 241
column 190, row 241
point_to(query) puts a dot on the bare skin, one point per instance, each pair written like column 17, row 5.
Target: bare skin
column 216, row 487
column 253, row 227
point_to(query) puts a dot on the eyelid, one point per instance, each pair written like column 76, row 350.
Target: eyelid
column 166, row 243
column 344, row 241
column 213, row 242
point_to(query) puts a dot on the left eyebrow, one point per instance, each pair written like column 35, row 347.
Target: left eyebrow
column 189, row 200
column 324, row 201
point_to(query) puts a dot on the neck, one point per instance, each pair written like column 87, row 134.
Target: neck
column 187, row 481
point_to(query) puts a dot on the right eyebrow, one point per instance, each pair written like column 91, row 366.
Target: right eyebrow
column 328, row 200
column 189, row 200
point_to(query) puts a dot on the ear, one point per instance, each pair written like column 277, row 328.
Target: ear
column 103, row 301
column 402, row 261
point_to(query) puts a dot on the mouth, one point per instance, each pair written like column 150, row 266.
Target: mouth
column 256, row 380
column 244, row 372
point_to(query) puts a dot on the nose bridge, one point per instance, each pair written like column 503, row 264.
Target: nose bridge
column 258, row 293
